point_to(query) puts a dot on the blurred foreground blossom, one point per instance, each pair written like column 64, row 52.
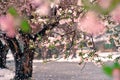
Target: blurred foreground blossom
column 79, row 3
column 112, row 70
column 42, row 7
column 104, row 3
column 91, row 24
column 36, row 3
column 116, row 14
column 43, row 10
column 7, row 25
column 116, row 74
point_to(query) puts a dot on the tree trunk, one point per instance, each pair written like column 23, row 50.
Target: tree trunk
column 23, row 61
column 3, row 53
column 24, row 65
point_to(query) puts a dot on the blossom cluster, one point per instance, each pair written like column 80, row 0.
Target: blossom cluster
column 79, row 21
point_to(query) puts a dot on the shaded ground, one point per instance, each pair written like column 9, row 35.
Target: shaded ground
column 67, row 71
column 57, row 71
column 60, row 71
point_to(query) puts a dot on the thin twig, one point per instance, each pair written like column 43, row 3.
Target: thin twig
column 83, row 66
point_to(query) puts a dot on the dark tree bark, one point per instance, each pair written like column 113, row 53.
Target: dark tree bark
column 3, row 53
column 23, row 61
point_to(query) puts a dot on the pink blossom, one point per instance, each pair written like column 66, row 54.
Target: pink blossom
column 79, row 3
column 116, row 74
column 115, row 14
column 11, row 33
column 91, row 24
column 57, row 2
column 35, row 3
column 63, row 21
column 104, row 3
column 34, row 28
column 43, row 9
column 7, row 25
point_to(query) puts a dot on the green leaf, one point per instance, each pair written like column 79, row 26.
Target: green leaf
column 39, row 37
column 25, row 27
column 116, row 65
column 12, row 11
column 95, row 7
column 87, row 4
column 52, row 46
column 113, row 5
column 107, row 70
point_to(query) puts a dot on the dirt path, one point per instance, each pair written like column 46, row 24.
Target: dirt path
column 59, row 71
column 68, row 71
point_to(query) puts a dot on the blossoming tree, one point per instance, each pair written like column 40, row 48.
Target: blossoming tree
column 65, row 26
